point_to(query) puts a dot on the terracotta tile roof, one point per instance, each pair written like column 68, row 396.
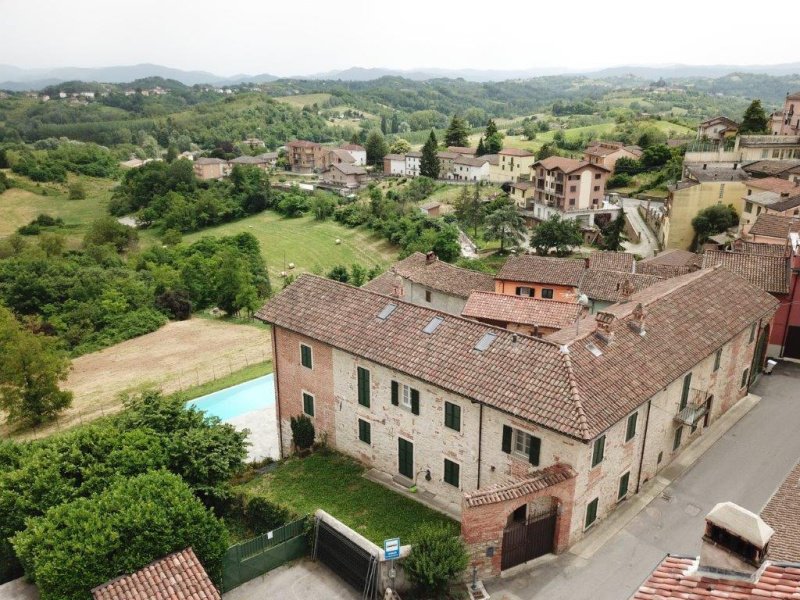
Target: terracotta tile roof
column 777, row 226
column 567, row 165
column 248, row 160
column 770, row 167
column 599, row 148
column 740, row 245
column 302, row 144
column 415, row 154
column 612, row 261
column 520, row 309
column 382, row 284
column 687, row 319
column 786, row 203
column 782, row 513
column 179, row 576
column 543, row 269
column 342, row 155
column 523, row 185
column 441, row 276
column 774, row 184
column 349, row 169
column 515, row 152
column 355, row 147
column 674, row 257
column 395, row 157
column 471, row 162
column 462, row 150
column 210, row 161
column 539, row 480
column 523, row 376
column 676, row 577
column 609, row 286
column 447, row 155
column 769, row 272
column 720, row 119
column 664, row 271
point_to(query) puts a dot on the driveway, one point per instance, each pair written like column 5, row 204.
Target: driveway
column 303, row 579
column 648, row 246
column 745, row 466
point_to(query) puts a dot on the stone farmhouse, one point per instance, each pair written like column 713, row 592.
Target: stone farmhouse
column 606, row 154
column 515, row 435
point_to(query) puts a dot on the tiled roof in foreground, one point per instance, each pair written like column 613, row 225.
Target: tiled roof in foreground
column 539, row 480
column 777, row 226
column 520, row 309
column 179, row 576
column 782, row 513
column 676, row 577
column 528, row 268
column 769, row 272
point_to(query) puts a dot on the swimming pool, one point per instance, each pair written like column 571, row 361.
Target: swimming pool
column 253, row 395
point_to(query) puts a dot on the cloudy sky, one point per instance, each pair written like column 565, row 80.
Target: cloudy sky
column 286, row 38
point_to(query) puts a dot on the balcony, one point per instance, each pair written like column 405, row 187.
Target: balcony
column 695, row 409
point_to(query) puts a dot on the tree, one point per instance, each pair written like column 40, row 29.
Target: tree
column 713, row 220
column 507, row 225
column 30, row 372
column 547, row 150
column 384, row 125
column 558, row 233
column 358, row 275
column 53, row 244
column 339, row 273
column 457, row 133
column 77, row 191
column 302, row 432
column 172, row 154
column 614, row 234
column 655, row 156
column 493, row 139
column 481, row 148
column 234, row 286
column 322, row 205
column 400, row 146
column 437, row 560
column 107, row 230
column 429, row 163
column 468, row 209
column 376, row 147
column 395, row 123
column 754, row 119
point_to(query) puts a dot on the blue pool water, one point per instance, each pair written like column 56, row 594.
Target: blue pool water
column 231, row 402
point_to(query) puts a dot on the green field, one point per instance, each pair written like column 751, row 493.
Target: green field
column 309, row 244
column 301, row 100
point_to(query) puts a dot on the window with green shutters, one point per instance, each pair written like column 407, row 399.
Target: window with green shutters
column 630, row 431
column 452, row 416
column 591, row 513
column 308, row 404
column 717, row 359
column 451, row 472
column 687, row 383
column 305, row 356
column 406, row 397
column 598, row 451
column 364, row 431
column 624, row 481
column 522, row 444
column 363, row 387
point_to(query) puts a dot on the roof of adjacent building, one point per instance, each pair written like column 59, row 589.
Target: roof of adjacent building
column 470, row 161
column 775, row 184
column 210, row 161
column 719, row 119
column 523, row 376
column 515, row 152
column 248, row 160
column 395, row 157
column 523, row 185
column 664, row 271
column 354, row 147
column 764, row 198
column 770, row 273
column 414, row 154
column 602, row 148
column 776, row 226
column 612, row 261
column 712, row 173
column 782, row 513
column 528, row 268
column 462, row 150
column 741, row 245
column 303, row 144
column 492, row 159
column 179, row 576
column 268, row 155
column 539, row 480
column 677, row 577
column 343, row 155
column 447, row 155
column 349, row 169
column 436, row 275
column 612, row 286
column 786, row 203
column 770, row 167
column 672, row 257
column 567, row 165
column 504, row 308
column 687, row 319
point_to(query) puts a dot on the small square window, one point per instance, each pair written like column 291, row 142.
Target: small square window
column 547, row 293
column 365, row 431
column 451, row 472
column 591, row 513
column 305, row 356
column 308, row 404
column 598, row 451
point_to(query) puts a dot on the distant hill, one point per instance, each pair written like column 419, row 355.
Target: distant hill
column 685, row 71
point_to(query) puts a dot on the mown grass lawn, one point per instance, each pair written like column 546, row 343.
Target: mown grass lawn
column 333, row 482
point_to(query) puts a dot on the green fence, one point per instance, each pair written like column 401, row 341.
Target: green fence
column 247, row 560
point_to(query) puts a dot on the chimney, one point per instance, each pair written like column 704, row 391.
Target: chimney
column 735, row 542
column 637, row 321
column 587, row 262
column 605, row 327
column 430, row 257
column 626, row 290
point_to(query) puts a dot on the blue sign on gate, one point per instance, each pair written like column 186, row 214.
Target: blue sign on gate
column 391, row 548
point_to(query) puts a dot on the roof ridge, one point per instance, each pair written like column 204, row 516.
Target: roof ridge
column 525, row 298
column 582, row 421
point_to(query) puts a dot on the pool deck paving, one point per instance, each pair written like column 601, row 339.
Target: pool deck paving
column 263, row 436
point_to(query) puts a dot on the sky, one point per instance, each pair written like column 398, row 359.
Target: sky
column 285, row 38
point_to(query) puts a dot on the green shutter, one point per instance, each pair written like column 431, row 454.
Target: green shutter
column 687, row 382
column 414, row 401
column 533, row 454
column 677, row 441
column 598, row 451
column 451, row 472
column 452, row 416
column 405, row 458
column 364, row 431
column 363, row 387
column 507, row 431
column 717, row 359
column 623, row 485
column 308, row 404
column 305, row 355
column 395, row 393
column 631, row 430
column 591, row 512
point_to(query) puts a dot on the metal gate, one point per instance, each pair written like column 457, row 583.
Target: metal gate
column 351, row 562
column 529, row 539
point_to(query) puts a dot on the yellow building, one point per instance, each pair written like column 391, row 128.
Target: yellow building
column 508, row 165
column 701, row 187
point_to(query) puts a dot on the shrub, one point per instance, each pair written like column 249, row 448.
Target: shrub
column 437, row 559
column 619, row 180
column 302, row 432
column 77, row 191
column 175, row 303
column 262, row 516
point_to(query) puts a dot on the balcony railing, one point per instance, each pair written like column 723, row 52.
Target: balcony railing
column 695, row 409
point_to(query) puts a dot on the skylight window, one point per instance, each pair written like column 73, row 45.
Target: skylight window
column 485, row 341
column 594, row 349
column 435, row 322
column 387, row 311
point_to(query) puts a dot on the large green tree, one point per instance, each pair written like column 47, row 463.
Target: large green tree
column 713, row 220
column 506, row 225
column 30, row 371
column 376, row 147
column 614, row 234
column 558, row 233
column 468, row 208
column 429, row 163
column 493, row 139
column 754, row 119
column 457, row 133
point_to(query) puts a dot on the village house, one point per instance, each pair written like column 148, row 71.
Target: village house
column 670, row 263
column 425, row 280
column 771, row 195
column 717, row 129
column 540, row 277
column 271, row 158
column 211, row 168
column 345, row 175
column 785, row 169
column 749, row 148
column 773, row 229
column 508, row 430
column 304, row 156
column 703, row 185
column 336, row 156
column 569, row 184
column 412, row 163
column 787, row 121
column 446, row 160
column 513, row 164
column 359, row 154
column 466, row 168
column 606, row 154
column 431, row 209
column 462, row 151
column 251, row 161
column 394, row 164
column 521, row 314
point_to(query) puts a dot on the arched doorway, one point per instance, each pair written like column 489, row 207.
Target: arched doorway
column 530, row 532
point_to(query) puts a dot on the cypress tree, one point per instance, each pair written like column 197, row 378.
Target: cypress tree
column 481, row 148
column 429, row 163
column 457, row 133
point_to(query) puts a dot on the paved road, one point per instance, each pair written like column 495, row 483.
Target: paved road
column 746, row 466
column 648, row 245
